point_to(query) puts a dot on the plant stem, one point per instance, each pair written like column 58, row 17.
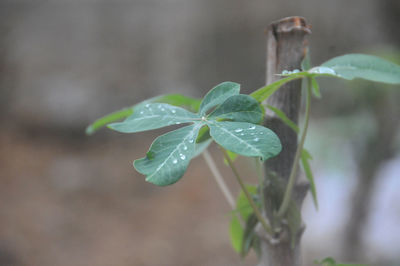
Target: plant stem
column 260, row 218
column 219, row 179
column 260, row 181
column 293, row 174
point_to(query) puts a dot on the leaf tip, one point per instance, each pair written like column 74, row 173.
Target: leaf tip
column 90, row 130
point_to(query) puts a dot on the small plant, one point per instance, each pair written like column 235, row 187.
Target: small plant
column 233, row 121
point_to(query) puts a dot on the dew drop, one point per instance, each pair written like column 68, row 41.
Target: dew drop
column 252, row 127
column 238, row 130
column 173, row 111
column 162, row 109
column 184, row 148
column 183, row 157
column 175, row 161
column 191, row 140
column 177, row 123
column 141, row 112
column 147, row 105
column 241, row 134
column 159, row 106
column 256, row 139
column 261, row 133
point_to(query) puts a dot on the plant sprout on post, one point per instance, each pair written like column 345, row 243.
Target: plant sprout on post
column 262, row 125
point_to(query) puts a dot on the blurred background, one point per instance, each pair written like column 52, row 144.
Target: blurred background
column 70, row 199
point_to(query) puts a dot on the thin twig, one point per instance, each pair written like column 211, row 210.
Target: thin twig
column 260, row 218
column 219, row 179
column 259, row 169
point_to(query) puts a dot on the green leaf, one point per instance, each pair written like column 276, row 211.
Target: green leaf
column 315, row 88
column 231, row 156
column 171, row 154
column 363, row 66
column 244, row 210
column 153, row 116
column 242, row 204
column 173, row 99
column 192, row 104
column 331, row 262
column 326, row 262
column 305, row 156
column 115, row 116
column 236, row 232
column 263, row 93
column 249, row 236
column 245, row 139
column 239, row 108
column 284, row 118
column 218, row 95
column 204, row 134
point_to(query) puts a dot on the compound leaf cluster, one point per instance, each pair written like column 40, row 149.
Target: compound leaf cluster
column 224, row 115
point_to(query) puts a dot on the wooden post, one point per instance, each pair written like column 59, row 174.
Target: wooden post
column 286, row 48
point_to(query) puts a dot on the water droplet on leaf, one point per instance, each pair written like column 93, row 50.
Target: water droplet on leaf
column 252, row 127
column 175, row 161
column 238, row 130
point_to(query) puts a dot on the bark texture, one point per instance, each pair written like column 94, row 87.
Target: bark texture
column 286, row 48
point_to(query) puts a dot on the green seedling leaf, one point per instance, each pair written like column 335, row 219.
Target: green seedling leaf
column 171, row 154
column 305, row 157
column 153, row 116
column 307, row 154
column 244, row 211
column 236, row 233
column 242, row 204
column 284, row 118
column 173, row 99
column 231, row 156
column 204, row 134
column 115, row 116
column 245, row 139
column 239, row 108
column 315, row 88
column 218, row 95
column 263, row 93
column 331, row 262
column 249, row 236
column 363, row 66
column 349, row 66
column 192, row 104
